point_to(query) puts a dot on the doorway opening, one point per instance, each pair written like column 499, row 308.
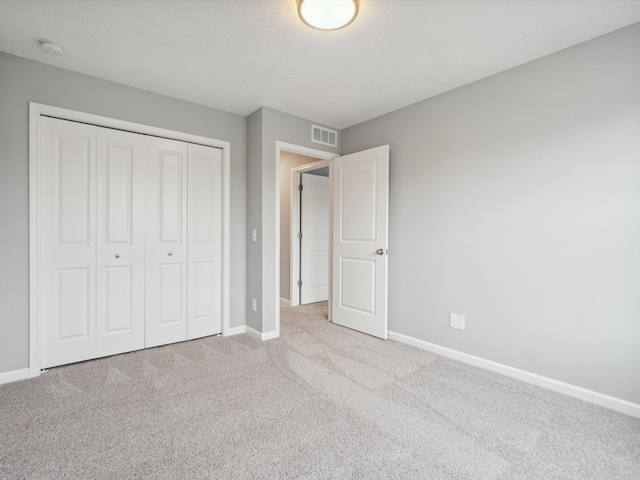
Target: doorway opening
column 292, row 161
column 310, row 220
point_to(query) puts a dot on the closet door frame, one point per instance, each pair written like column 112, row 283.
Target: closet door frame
column 36, row 112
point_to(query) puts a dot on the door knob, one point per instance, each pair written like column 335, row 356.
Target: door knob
column 380, row 251
column 170, row 253
column 117, row 255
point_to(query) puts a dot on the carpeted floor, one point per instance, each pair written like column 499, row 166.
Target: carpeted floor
column 321, row 402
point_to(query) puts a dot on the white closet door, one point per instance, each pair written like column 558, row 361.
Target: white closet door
column 166, row 252
column 121, row 168
column 205, row 241
column 68, row 193
column 314, row 225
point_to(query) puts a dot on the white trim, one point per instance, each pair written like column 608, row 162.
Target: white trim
column 36, row 110
column 14, row 375
column 235, row 331
column 253, row 333
column 270, row 335
column 284, row 301
column 261, row 336
column 294, row 224
column 309, row 152
column 613, row 403
column 34, row 240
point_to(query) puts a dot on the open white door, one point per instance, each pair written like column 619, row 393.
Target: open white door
column 314, row 227
column 360, row 235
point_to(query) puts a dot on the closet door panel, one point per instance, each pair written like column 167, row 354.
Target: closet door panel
column 74, row 303
column 119, row 298
column 68, row 189
column 121, row 204
column 171, row 290
column 166, row 253
column 205, row 241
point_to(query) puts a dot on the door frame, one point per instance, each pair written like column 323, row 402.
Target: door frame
column 36, row 111
column 294, row 212
column 309, row 152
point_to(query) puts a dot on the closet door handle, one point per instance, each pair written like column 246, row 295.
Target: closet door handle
column 170, row 253
column 117, row 255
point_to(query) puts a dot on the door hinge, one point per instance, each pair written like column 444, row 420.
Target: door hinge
column 300, row 187
column 300, row 235
column 299, row 283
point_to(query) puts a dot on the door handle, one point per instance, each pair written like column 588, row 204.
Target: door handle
column 170, row 253
column 380, row 251
column 117, row 255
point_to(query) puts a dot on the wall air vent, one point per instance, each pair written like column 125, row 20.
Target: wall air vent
column 324, row 136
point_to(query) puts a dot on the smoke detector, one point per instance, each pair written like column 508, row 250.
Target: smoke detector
column 51, row 48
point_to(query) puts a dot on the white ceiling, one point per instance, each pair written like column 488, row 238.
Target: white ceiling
column 239, row 55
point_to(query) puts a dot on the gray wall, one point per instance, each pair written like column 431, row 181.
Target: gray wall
column 321, row 172
column 266, row 126
column 22, row 81
column 516, row 201
column 288, row 161
column 254, row 218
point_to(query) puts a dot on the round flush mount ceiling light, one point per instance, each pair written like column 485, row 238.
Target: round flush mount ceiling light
column 328, row 14
column 51, row 48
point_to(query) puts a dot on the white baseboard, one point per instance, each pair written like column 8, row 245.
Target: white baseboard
column 14, row 375
column 235, row 331
column 253, row 333
column 286, row 302
column 613, row 403
column 270, row 335
column 262, row 336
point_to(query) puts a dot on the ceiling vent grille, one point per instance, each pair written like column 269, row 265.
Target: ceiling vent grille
column 324, row 136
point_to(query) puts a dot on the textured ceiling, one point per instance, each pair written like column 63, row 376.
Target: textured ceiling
column 239, row 55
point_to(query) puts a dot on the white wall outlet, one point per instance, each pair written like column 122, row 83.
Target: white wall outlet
column 456, row 321
column 254, row 235
column 254, row 304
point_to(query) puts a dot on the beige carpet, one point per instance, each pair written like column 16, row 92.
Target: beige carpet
column 321, row 402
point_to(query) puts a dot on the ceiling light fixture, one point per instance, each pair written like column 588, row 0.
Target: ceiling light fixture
column 51, row 48
column 328, row 14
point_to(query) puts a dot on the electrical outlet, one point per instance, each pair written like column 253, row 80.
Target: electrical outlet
column 254, row 304
column 456, row 321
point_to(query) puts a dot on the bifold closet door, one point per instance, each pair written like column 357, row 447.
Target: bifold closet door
column 121, row 169
column 68, row 241
column 204, row 308
column 166, row 242
column 131, row 241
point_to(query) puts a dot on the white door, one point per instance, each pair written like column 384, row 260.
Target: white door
column 121, row 168
column 314, row 226
column 67, row 203
column 166, row 242
column 360, row 235
column 204, row 307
